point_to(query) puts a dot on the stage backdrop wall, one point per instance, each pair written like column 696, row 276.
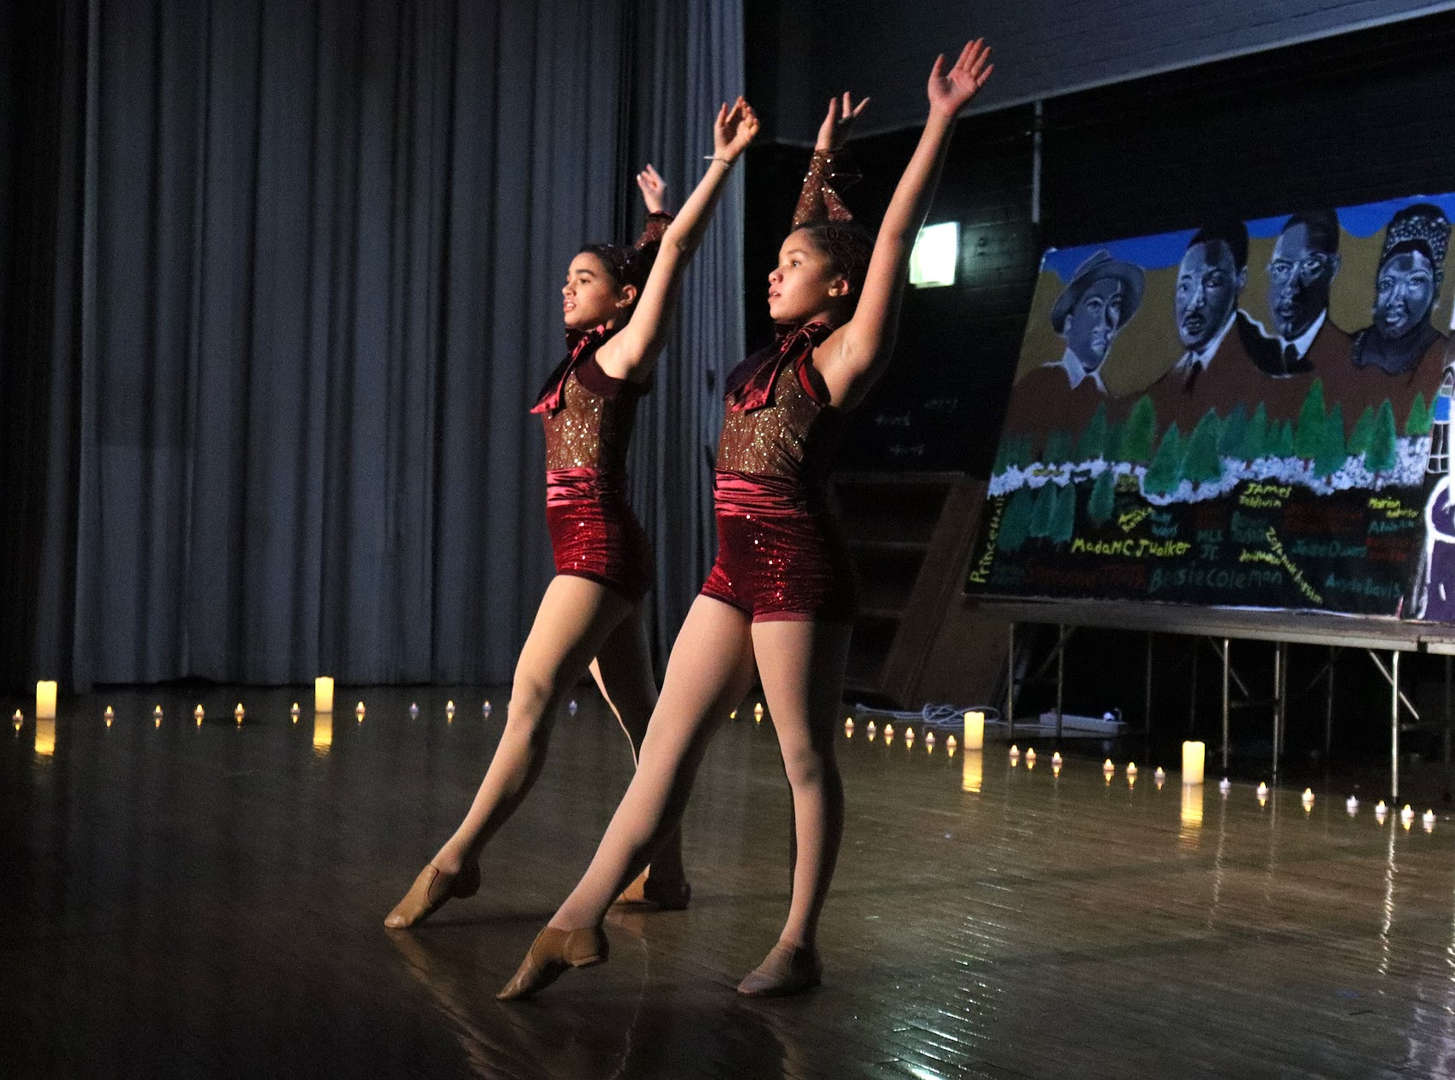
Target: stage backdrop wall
column 281, row 283
column 1248, row 414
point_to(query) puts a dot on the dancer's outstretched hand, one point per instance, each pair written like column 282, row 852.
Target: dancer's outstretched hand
column 950, row 90
column 837, row 122
column 653, row 188
column 733, row 130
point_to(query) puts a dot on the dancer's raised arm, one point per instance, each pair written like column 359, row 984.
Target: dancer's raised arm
column 855, row 354
column 633, row 351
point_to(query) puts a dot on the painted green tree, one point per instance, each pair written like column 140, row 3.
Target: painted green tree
column 1063, row 518
column 1093, row 440
column 1230, row 442
column 1332, row 451
column 1165, row 472
column 1043, row 512
column 1059, row 445
column 1281, row 441
column 1309, row 435
column 1381, row 455
column 1102, row 504
column 1137, row 435
column 1015, row 523
column 1255, row 435
column 1363, row 432
column 1202, row 464
column 1420, row 418
column 1113, row 449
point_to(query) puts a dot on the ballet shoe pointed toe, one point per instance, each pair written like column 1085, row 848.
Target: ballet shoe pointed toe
column 551, row 954
column 787, row 969
column 429, row 892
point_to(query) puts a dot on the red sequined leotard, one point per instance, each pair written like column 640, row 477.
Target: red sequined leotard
column 588, row 417
column 780, row 551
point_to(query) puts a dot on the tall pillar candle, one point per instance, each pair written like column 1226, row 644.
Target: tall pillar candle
column 974, row 730
column 1194, row 756
column 323, row 693
column 45, row 700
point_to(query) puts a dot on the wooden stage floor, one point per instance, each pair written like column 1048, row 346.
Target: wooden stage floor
column 207, row 900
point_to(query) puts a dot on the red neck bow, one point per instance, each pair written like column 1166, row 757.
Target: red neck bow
column 582, row 343
column 750, row 384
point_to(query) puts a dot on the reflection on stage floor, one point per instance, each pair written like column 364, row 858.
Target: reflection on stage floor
column 189, row 897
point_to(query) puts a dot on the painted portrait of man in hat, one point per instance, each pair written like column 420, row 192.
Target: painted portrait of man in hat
column 1099, row 300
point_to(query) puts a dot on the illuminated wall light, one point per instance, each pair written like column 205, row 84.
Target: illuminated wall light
column 45, row 699
column 323, row 694
column 934, row 255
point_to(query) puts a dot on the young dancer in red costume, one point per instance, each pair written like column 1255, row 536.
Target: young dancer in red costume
column 780, row 592
column 616, row 316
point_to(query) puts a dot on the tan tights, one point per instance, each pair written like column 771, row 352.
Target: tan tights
column 580, row 624
column 801, row 665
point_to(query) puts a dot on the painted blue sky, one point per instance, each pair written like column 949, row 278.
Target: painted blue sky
column 1165, row 249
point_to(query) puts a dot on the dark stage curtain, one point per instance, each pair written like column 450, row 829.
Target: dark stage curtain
column 280, row 282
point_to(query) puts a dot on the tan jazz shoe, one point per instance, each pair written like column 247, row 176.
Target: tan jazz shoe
column 429, row 892
column 787, row 969
column 551, row 954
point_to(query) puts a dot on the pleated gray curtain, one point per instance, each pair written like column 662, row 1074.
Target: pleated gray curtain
column 283, row 310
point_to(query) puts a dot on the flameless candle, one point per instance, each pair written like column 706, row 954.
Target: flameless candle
column 1429, row 820
column 45, row 700
column 322, row 731
column 1030, row 755
column 888, row 733
column 1262, row 790
column 45, row 737
column 1406, row 815
column 1159, row 774
column 1225, row 785
column 909, row 737
column 758, row 713
column 1108, row 767
column 198, row 713
column 1056, row 758
column 294, row 711
column 1015, row 751
column 485, row 709
column 733, row 715
column 848, row 727
column 239, row 712
column 571, row 708
column 871, row 729
column 1307, row 798
column 359, row 711
column 323, row 694
column 974, row 730
column 18, row 719
column 1131, row 768
column 929, row 740
column 450, row 709
column 110, row 713
column 1056, row 769
column 1351, row 804
column 414, row 710
column 951, row 745
column 1194, row 757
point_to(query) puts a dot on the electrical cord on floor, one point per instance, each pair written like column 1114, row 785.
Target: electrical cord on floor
column 933, row 715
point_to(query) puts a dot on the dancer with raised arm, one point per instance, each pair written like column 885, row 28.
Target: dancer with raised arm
column 781, row 590
column 616, row 303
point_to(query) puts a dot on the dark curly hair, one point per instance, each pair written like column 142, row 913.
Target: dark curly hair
column 848, row 246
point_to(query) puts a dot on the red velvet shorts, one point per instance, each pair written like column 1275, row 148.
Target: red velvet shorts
column 595, row 535
column 781, row 565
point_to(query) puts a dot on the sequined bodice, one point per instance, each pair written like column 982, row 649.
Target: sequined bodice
column 792, row 439
column 592, row 429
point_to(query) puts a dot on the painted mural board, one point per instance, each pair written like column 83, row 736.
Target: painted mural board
column 1246, row 414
